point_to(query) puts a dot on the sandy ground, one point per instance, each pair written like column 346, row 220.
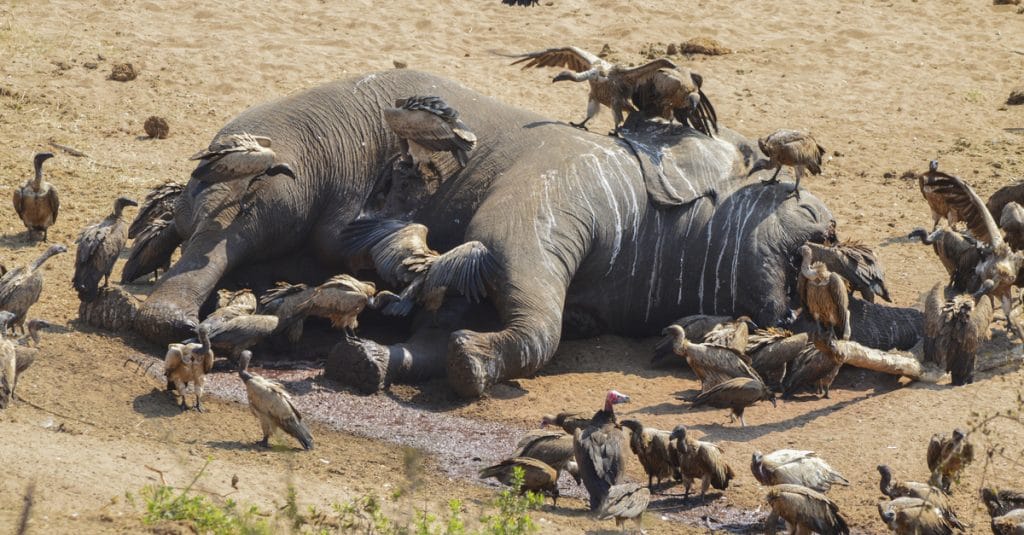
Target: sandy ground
column 884, row 85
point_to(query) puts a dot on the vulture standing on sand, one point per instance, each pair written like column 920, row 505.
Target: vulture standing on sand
column 712, row 364
column 189, row 363
column 151, row 251
column 855, row 263
column 947, row 456
column 676, row 94
column 98, row 248
column 815, row 366
column 792, row 148
column 912, row 489
column 538, row 476
column 20, row 288
column 25, row 354
column 157, row 206
column 8, row 362
column 36, row 201
column 285, row 301
column 797, row 468
column 568, row 421
column 271, row 404
column 805, row 510
column 237, row 156
column 552, row 447
column 624, row 502
column 1000, row 265
column 697, row 326
column 914, row 516
column 701, row 460
column 610, row 85
column 954, row 329
column 735, row 394
column 959, row 253
column 654, row 449
column 598, row 450
column 772, row 350
column 823, row 295
column 426, row 125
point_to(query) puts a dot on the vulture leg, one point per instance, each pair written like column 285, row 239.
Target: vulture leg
column 771, row 523
column 592, row 108
column 1008, row 311
column 799, row 171
column 775, row 178
column 705, row 484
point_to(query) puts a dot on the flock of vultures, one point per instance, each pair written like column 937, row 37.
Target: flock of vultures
column 980, row 245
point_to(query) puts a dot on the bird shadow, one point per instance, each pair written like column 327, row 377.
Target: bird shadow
column 156, row 404
column 18, row 240
column 234, row 445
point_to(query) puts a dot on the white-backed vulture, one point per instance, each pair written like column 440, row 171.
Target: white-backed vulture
column 654, row 449
column 1011, row 523
column 20, row 288
column 151, row 251
column 676, row 94
column 98, row 248
column 792, row 148
column 610, row 85
column 911, row 489
column 189, row 363
column 712, row 364
column 285, row 301
column 734, row 334
column 815, row 366
column 1011, row 222
column 8, row 362
column 959, row 253
column 795, row 467
column 271, row 404
column 824, row 296
column 627, row 501
column 735, row 394
column 914, row 516
column 772, row 350
column 855, row 263
column 805, row 510
column 947, row 456
column 954, row 330
column 696, row 326
column 937, row 203
column 157, row 206
column 237, row 156
column 1001, row 501
column 397, row 249
column 552, row 447
column 341, row 299
column 426, row 125
column 568, row 421
column 701, row 460
column 537, row 475
column 233, row 326
column 36, row 201
column 598, row 451
column 24, row 353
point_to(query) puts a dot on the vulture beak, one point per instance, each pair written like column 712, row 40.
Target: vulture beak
column 562, row 76
column 664, row 332
column 933, row 166
column 281, row 169
column 759, row 165
column 774, row 403
column 693, row 99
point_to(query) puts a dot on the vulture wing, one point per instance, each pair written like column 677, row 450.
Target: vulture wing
column 468, row 269
column 628, row 500
column 19, row 201
column 569, row 57
column 962, row 198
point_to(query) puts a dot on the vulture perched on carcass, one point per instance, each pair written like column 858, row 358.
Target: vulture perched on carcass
column 789, row 147
column 99, row 246
column 426, row 125
column 598, row 450
column 797, row 468
column 675, row 93
column 855, row 263
column 654, row 449
column 238, row 156
column 271, row 404
column 701, row 460
column 823, row 295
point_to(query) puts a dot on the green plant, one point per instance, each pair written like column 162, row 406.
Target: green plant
column 513, row 516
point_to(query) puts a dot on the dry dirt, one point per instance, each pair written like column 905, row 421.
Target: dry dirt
column 884, row 85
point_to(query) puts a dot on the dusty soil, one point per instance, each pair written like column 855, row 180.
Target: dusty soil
column 884, row 85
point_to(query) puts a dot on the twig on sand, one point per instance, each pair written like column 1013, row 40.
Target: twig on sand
column 26, row 509
column 70, row 150
column 159, row 472
column 55, row 413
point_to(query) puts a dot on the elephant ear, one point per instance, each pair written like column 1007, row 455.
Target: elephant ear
column 468, row 269
column 362, row 234
column 679, row 169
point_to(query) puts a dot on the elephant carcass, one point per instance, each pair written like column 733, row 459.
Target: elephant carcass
column 612, row 235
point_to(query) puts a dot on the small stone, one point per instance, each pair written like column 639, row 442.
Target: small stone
column 399, row 64
column 91, row 65
column 123, row 72
column 157, row 127
column 61, row 65
column 1016, row 96
column 1005, row 2
column 606, row 50
column 703, row 45
column 672, row 49
column 889, row 174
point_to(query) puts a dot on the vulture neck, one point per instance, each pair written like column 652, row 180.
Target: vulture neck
column 37, row 182
column 244, row 374
column 605, row 415
column 885, row 485
column 41, row 260
column 204, row 340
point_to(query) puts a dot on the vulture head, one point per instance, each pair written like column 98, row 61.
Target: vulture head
column 243, row 361
column 5, row 318
column 121, row 202
column 613, row 398
column 546, row 420
column 33, row 328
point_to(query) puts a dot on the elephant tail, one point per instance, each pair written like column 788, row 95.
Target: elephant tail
column 468, row 269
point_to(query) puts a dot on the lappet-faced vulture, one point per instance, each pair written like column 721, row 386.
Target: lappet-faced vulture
column 598, row 450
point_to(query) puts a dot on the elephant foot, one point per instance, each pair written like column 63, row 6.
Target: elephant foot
column 361, row 364
column 163, row 322
column 472, row 368
column 113, row 309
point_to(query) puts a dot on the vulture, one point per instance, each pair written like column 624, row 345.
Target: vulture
column 914, row 516
column 598, row 451
column 912, row 489
column 937, row 203
column 341, row 299
column 98, row 248
column 697, row 326
column 959, row 253
column 610, row 85
column 735, row 394
column 568, row 421
column 772, row 350
column 823, row 295
column 36, row 201
column 676, row 94
column 285, row 301
column 552, row 447
column 1001, row 502
column 806, row 510
column 1011, row 222
column 20, row 288
column 8, row 362
column 271, row 404
column 537, row 475
column 954, row 329
column 712, row 364
column 157, row 206
column 1000, row 264
column 795, row 467
column 624, row 502
column 654, row 449
column 189, row 363
column 734, row 334
column 426, row 125
column 25, row 354
column 234, row 326
column 789, row 147
column 1011, row 523
column 398, row 249
column 855, row 263
column 1003, row 196
column 236, row 156
column 701, row 460
column 816, row 365
column 947, row 456
column 151, row 251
